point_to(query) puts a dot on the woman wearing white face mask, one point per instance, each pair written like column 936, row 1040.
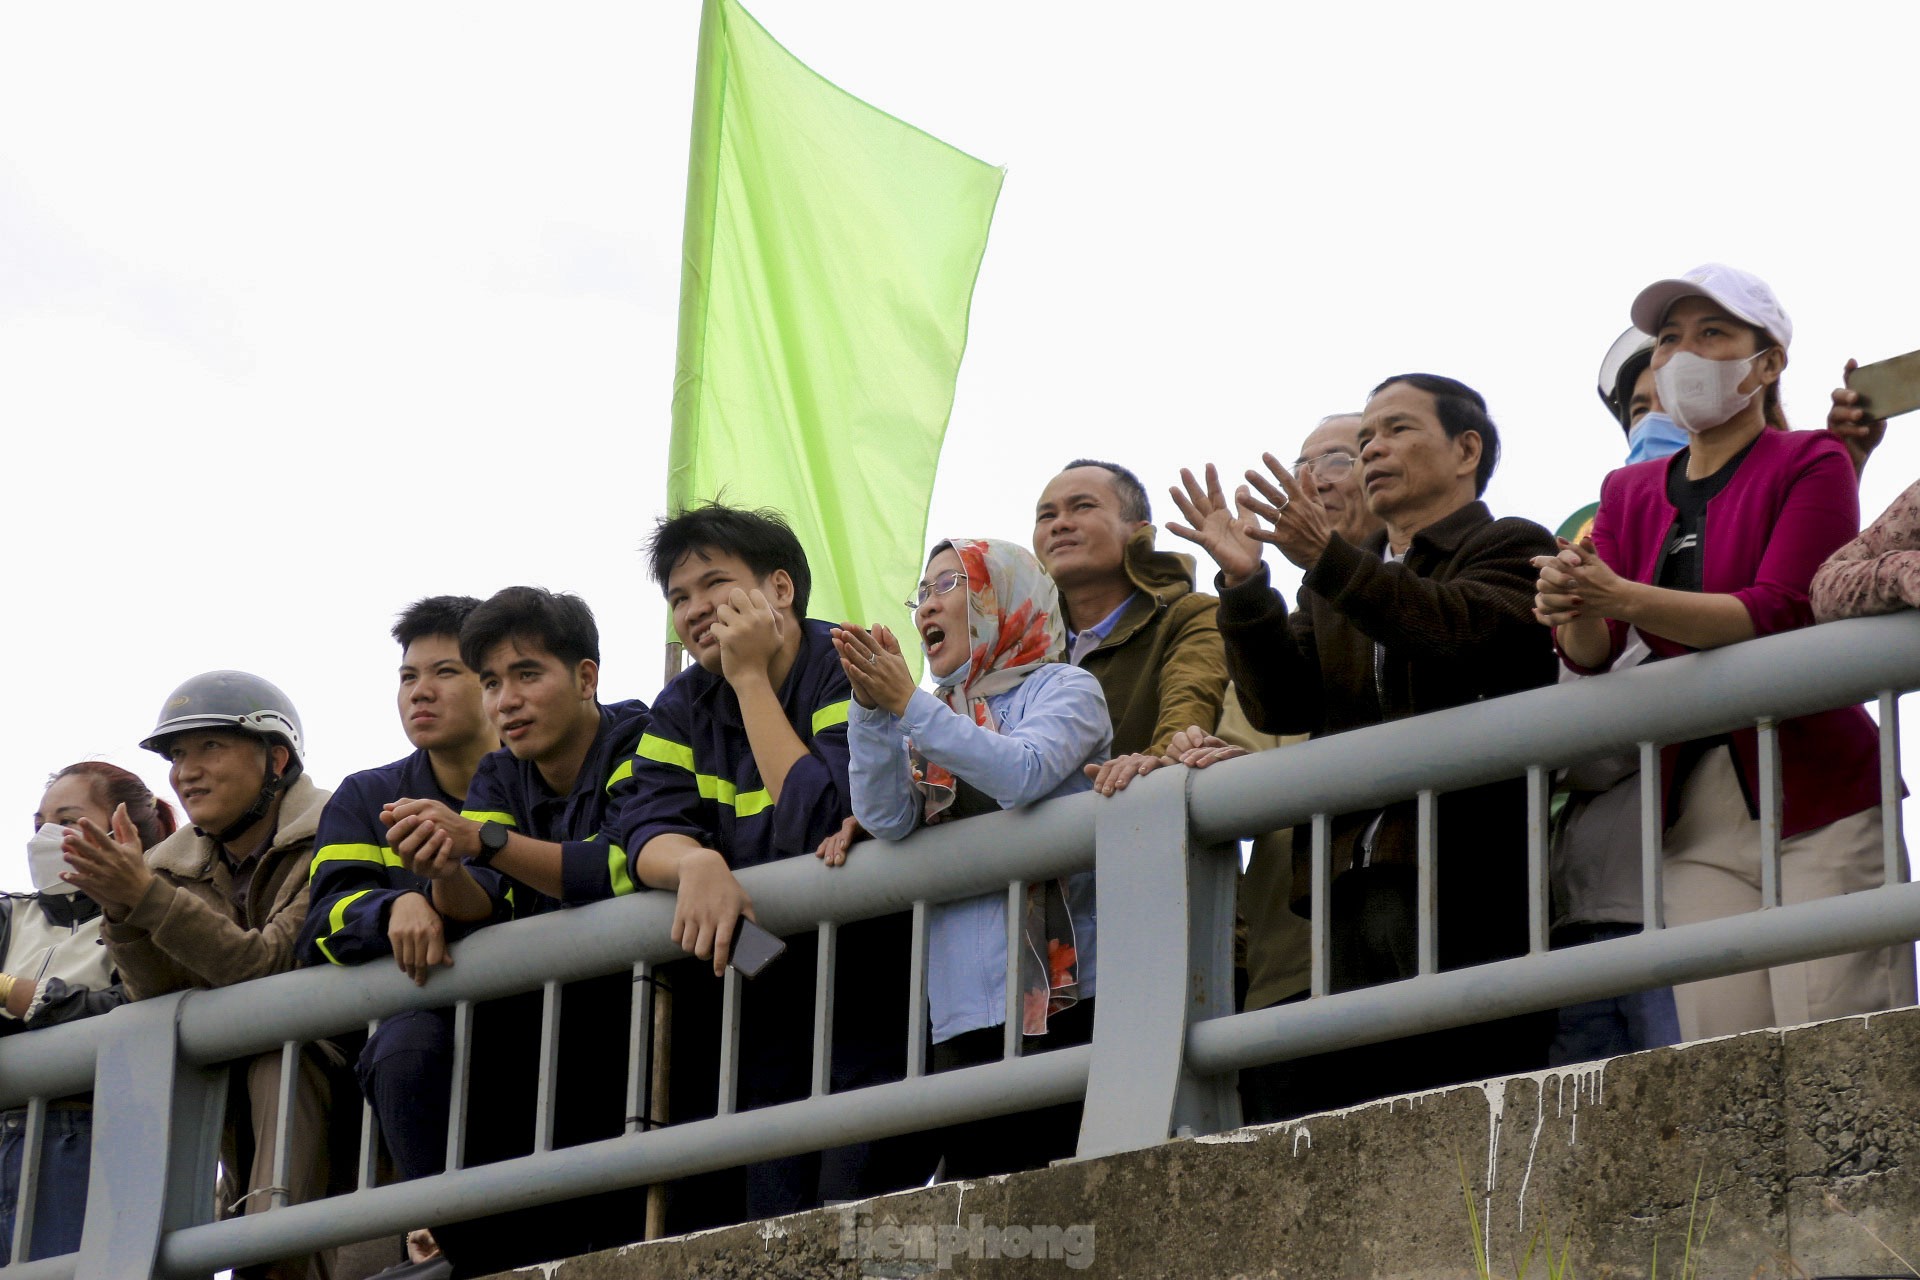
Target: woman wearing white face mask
column 53, row 970
column 1715, row 545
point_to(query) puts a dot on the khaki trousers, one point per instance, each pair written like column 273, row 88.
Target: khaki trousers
column 307, row 1158
column 1713, row 870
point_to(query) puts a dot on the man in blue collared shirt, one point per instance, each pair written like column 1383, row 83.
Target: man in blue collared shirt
column 745, row 762
column 1133, row 617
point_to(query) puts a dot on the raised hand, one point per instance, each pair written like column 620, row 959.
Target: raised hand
column 748, row 629
column 1219, row 530
column 109, row 867
column 875, row 667
column 1292, row 506
column 1848, row 419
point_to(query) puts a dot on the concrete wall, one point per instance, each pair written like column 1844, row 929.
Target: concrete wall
column 1790, row 1132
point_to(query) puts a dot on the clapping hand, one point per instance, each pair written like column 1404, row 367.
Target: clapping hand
column 1300, row 526
column 875, row 667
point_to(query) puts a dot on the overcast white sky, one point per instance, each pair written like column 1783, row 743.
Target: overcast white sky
column 307, row 313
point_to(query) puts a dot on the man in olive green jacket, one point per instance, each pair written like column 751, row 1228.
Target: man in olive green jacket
column 1133, row 617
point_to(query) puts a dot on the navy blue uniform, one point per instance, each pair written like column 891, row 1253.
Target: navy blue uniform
column 593, row 863
column 356, row 875
column 406, row 1068
column 694, row 774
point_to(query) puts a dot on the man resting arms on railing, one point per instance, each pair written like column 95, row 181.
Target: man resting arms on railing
column 746, row 763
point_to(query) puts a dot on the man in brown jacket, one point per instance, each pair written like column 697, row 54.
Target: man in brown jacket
column 221, row 902
column 1133, row 618
column 1430, row 613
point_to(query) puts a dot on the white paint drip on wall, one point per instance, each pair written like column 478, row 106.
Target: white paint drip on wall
column 1588, row 1083
column 1496, row 1093
column 1539, row 1121
column 1302, row 1132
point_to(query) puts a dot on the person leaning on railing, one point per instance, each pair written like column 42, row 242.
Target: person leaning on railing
column 56, row 971
column 1432, row 612
column 1716, row 545
column 1010, row 723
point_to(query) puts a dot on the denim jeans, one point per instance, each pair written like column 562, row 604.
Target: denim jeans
column 60, row 1203
column 1614, row 1025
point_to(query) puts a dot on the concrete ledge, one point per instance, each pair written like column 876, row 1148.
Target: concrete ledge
column 1778, row 1125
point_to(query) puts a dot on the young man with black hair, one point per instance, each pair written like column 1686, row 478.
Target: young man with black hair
column 746, row 762
column 364, row 901
column 1133, row 617
column 528, row 836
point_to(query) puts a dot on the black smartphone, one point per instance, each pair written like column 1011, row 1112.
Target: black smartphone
column 753, row 948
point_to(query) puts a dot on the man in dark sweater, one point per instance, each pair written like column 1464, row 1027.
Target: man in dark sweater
column 1432, row 612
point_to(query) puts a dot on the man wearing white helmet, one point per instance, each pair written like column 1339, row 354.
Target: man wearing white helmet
column 221, row 901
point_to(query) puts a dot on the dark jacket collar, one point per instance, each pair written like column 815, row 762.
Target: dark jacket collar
column 1444, row 535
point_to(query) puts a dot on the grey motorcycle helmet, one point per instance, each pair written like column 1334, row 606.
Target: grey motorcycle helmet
column 236, row 701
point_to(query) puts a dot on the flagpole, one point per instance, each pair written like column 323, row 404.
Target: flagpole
column 662, row 1074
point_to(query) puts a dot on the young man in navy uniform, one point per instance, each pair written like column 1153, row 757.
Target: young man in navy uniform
column 529, row 834
column 745, row 762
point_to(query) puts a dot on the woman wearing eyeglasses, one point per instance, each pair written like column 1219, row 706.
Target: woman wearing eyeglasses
column 1009, row 723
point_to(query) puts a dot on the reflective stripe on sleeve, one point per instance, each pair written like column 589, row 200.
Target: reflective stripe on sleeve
column 489, row 815
column 665, row 751
column 336, row 921
column 378, row 855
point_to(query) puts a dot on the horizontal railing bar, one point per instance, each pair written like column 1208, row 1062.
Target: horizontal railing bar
column 1833, row 665
column 951, row 1097
column 1836, row 665
column 790, row 896
column 60, row 1268
column 1527, row 984
column 52, row 1062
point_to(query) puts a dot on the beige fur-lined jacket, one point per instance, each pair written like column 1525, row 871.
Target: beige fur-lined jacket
column 183, row 934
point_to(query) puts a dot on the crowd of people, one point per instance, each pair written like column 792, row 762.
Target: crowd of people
column 1082, row 660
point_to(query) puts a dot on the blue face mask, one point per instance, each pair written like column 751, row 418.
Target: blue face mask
column 1655, row 436
column 958, row 676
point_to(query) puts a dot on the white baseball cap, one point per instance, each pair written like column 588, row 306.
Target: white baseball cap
column 1742, row 293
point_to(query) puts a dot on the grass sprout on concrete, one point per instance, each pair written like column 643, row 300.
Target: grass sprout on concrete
column 1559, row 1266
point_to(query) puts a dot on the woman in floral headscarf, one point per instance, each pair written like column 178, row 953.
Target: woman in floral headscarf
column 1009, row 723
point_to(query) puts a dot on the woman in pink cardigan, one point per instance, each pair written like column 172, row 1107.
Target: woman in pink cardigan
column 1710, row 547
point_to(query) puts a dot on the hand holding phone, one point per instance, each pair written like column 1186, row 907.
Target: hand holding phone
column 753, row 948
column 1887, row 388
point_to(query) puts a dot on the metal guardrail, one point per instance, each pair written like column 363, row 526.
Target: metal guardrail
column 1166, row 1042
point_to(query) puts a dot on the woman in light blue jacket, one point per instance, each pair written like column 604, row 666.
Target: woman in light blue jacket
column 1009, row 723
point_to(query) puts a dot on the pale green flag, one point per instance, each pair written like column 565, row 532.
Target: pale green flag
column 829, row 262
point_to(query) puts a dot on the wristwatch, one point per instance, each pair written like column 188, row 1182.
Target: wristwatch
column 493, row 838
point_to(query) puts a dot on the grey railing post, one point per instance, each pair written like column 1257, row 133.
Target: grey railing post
column 156, row 1139
column 1138, row 1088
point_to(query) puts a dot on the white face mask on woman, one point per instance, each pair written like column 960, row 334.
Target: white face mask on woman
column 46, row 861
column 1699, row 393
